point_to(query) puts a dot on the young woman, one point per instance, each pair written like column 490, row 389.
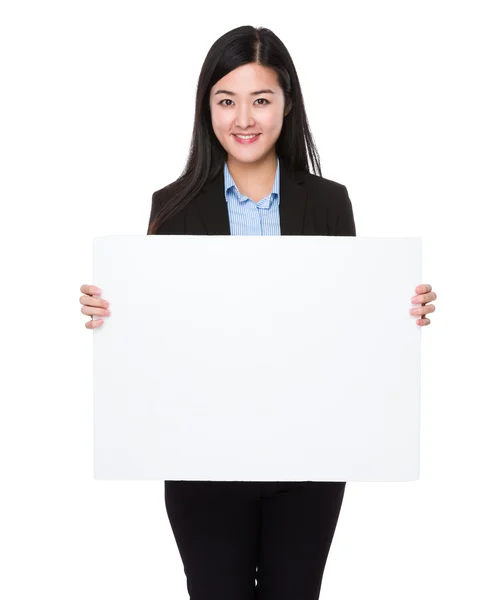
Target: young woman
column 248, row 174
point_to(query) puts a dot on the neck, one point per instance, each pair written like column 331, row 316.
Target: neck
column 260, row 173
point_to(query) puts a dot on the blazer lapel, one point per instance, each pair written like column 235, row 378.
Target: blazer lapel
column 213, row 208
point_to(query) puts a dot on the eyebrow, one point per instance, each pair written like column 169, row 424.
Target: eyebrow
column 267, row 91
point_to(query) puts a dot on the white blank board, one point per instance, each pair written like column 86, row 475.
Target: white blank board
column 257, row 358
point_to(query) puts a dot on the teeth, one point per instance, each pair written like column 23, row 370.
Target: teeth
column 246, row 137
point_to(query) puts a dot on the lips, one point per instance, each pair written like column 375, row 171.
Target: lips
column 246, row 141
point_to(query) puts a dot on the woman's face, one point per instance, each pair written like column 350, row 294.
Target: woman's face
column 237, row 107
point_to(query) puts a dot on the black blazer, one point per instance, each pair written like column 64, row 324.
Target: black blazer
column 309, row 205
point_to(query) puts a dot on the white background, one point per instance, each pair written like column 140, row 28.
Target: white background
column 97, row 112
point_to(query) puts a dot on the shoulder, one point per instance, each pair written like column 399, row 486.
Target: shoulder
column 332, row 198
column 332, row 193
column 162, row 194
column 333, row 188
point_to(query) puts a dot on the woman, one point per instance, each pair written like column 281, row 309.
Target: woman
column 248, row 174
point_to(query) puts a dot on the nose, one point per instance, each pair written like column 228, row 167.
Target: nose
column 243, row 117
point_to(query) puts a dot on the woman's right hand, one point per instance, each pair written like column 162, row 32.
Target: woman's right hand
column 93, row 305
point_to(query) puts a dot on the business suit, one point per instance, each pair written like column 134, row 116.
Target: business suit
column 310, row 205
column 225, row 529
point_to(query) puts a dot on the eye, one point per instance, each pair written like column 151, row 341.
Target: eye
column 229, row 100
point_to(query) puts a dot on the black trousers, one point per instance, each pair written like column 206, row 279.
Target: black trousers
column 226, row 529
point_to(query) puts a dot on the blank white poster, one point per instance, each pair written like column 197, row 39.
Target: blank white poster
column 257, row 358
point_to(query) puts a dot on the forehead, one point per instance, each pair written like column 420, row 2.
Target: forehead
column 246, row 79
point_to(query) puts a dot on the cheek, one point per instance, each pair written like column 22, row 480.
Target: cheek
column 271, row 123
column 220, row 121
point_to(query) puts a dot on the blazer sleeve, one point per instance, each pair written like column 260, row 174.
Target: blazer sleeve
column 345, row 222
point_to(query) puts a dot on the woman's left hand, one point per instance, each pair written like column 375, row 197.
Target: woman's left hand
column 425, row 295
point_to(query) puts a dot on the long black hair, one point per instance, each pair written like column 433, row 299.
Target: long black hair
column 240, row 46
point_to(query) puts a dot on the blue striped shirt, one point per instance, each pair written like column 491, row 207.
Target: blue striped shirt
column 253, row 218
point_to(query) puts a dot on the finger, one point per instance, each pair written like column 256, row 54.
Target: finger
column 423, row 288
column 93, row 324
column 423, row 310
column 92, row 290
column 423, row 298
column 429, row 297
column 423, row 322
column 91, row 310
column 93, row 301
column 426, row 309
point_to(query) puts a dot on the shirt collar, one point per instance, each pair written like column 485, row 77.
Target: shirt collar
column 230, row 183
